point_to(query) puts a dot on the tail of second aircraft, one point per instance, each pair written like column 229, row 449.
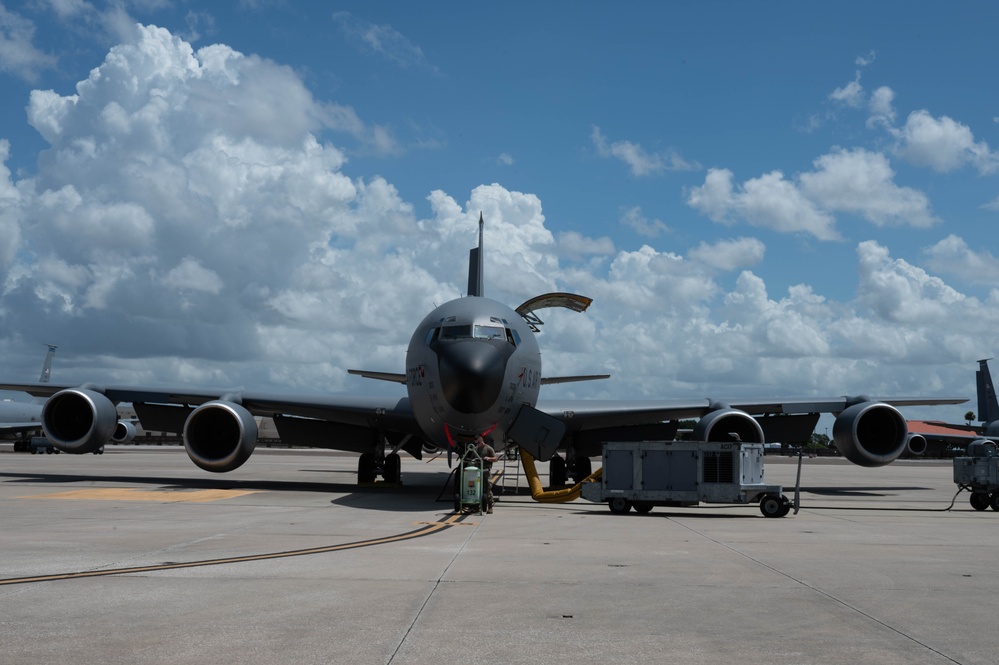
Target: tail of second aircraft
column 988, row 407
column 47, row 367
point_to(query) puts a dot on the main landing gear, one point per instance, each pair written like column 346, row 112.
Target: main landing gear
column 560, row 470
column 389, row 468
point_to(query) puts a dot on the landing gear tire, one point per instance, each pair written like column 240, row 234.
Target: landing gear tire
column 556, row 472
column 772, row 506
column 366, row 469
column 642, row 507
column 994, row 500
column 393, row 469
column 619, row 506
column 979, row 501
column 581, row 468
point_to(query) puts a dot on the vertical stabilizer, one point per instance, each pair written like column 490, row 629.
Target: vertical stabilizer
column 47, row 367
column 475, row 266
column 988, row 407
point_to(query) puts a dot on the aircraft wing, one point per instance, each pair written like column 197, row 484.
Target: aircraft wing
column 580, row 415
column 307, row 420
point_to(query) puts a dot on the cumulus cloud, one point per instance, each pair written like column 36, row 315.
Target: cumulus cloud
column 18, row 54
column 729, row 254
column 952, row 256
column 769, row 201
column 943, row 144
column 642, row 225
column 861, row 182
column 640, row 162
column 857, row 182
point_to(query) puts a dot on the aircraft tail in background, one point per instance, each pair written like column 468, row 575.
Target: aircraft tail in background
column 47, row 367
column 988, row 407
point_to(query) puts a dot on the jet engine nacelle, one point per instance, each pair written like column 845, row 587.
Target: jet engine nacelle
column 915, row 445
column 992, row 429
column 219, row 436
column 723, row 423
column 870, row 433
column 78, row 420
column 124, row 432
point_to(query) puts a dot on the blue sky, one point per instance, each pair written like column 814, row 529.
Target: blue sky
column 779, row 198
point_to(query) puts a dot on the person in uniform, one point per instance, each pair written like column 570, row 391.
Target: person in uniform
column 488, row 455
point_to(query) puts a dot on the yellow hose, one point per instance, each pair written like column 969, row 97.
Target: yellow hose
column 552, row 496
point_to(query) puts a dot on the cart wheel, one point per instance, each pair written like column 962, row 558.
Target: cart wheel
column 994, row 500
column 785, row 507
column 619, row 506
column 642, row 507
column 771, row 506
column 979, row 500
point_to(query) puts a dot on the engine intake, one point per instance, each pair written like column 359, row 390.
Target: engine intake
column 870, row 433
column 78, row 420
column 219, row 436
column 915, row 445
column 124, row 432
column 723, row 423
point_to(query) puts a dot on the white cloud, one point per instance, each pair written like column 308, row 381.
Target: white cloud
column 642, row 225
column 18, row 54
column 900, row 292
column 575, row 245
column 851, row 94
column 769, row 201
column 861, row 183
column 857, row 182
column 880, row 105
column 953, row 256
column 383, row 41
column 190, row 274
column 943, row 144
column 10, row 211
column 639, row 161
column 729, row 254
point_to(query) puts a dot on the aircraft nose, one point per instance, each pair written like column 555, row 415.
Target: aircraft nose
column 471, row 375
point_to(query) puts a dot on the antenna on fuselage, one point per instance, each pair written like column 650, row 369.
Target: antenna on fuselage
column 475, row 265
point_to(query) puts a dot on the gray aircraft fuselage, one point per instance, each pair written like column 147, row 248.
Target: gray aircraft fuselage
column 471, row 364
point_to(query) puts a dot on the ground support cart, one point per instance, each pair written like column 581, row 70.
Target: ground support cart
column 978, row 472
column 645, row 474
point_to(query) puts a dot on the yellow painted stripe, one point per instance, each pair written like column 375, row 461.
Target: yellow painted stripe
column 433, row 527
column 128, row 494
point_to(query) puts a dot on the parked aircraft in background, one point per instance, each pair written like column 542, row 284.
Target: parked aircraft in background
column 22, row 420
column 934, row 438
column 473, row 366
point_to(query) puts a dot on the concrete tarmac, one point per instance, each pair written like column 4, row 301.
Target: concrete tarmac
column 305, row 567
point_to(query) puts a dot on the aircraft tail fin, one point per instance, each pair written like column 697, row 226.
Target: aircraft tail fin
column 47, row 367
column 988, row 407
column 475, row 266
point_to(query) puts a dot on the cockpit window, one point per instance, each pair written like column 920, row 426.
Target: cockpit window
column 471, row 331
column 490, row 332
column 456, row 332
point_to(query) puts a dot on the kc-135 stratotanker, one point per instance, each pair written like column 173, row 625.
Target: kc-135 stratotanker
column 473, row 366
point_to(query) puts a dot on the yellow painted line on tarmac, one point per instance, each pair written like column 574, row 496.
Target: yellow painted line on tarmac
column 433, row 527
column 129, row 494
